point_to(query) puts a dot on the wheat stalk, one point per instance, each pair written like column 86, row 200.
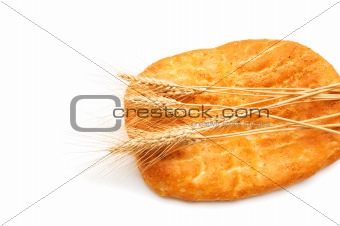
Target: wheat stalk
column 164, row 88
column 149, row 146
column 295, row 126
column 153, row 145
column 153, row 101
column 173, row 90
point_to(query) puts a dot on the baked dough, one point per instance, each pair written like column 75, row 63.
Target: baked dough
column 240, row 167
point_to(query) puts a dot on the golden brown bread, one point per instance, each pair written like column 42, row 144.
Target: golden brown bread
column 235, row 168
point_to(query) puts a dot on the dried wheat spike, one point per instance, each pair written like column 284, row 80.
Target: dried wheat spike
column 154, row 101
column 153, row 144
column 164, row 88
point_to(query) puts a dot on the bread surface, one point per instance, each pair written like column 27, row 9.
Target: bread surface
column 240, row 167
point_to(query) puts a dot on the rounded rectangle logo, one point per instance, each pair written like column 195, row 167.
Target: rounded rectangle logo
column 73, row 113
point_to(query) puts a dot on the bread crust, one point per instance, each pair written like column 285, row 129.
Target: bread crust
column 240, row 167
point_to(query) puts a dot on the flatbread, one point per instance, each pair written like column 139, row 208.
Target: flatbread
column 240, row 167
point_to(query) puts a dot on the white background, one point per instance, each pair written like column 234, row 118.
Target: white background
column 39, row 76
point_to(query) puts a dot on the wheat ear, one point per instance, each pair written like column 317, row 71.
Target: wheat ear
column 156, row 144
column 173, row 90
column 153, row 101
column 152, row 142
column 162, row 87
